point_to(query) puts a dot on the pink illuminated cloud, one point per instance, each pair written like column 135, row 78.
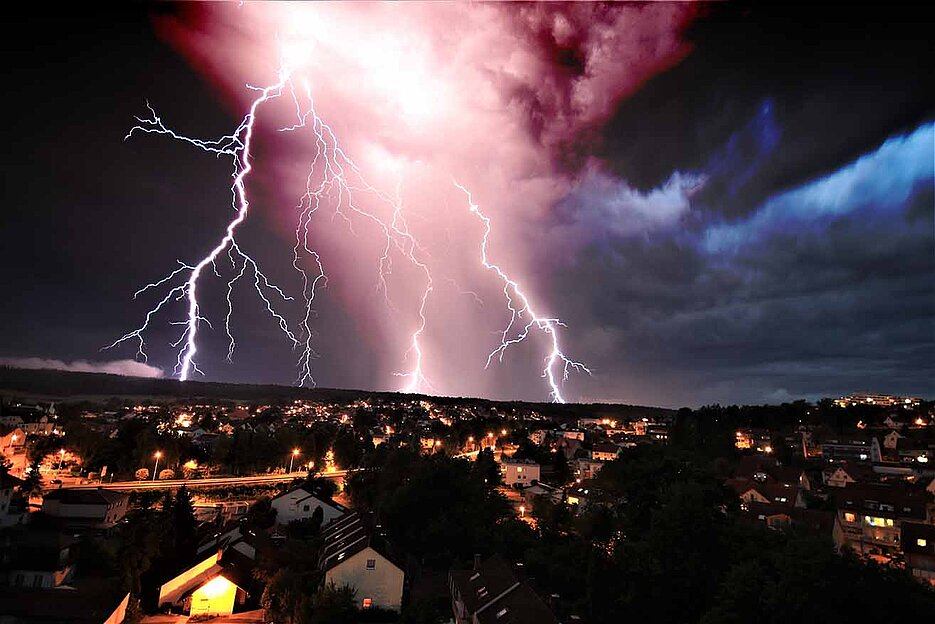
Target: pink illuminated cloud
column 421, row 95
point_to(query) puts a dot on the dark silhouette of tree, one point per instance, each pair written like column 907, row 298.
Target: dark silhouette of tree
column 261, row 514
column 334, row 605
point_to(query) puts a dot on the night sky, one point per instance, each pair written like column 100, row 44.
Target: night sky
column 721, row 203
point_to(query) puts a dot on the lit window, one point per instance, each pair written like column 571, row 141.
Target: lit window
column 849, row 517
column 502, row 612
column 921, row 542
column 519, row 469
column 371, row 564
column 366, row 603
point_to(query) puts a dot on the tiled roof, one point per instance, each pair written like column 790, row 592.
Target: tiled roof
column 98, row 496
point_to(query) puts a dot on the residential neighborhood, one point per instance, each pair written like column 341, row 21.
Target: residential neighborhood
column 365, row 504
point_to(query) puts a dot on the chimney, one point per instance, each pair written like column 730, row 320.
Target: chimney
column 476, row 561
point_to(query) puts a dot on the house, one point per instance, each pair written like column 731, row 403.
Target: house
column 213, row 587
column 13, row 442
column 542, row 490
column 918, row 542
column 82, row 601
column 235, row 537
column 869, row 517
column 521, row 471
column 300, row 504
column 98, row 508
column 854, row 450
column 491, row 593
column 354, row 553
column 587, row 468
column 38, row 425
column 582, row 496
column 842, row 475
column 605, row 451
column 8, row 515
column 780, row 495
column 913, row 451
column 891, row 439
column 764, row 469
column 573, row 434
column 39, row 559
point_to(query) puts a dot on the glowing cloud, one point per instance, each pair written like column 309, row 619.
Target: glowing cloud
column 418, row 94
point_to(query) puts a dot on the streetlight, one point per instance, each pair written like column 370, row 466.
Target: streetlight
column 62, row 463
column 295, row 453
column 522, row 511
column 157, row 455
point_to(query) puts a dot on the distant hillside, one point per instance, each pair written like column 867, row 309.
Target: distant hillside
column 55, row 384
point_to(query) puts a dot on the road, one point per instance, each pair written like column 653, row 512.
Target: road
column 191, row 483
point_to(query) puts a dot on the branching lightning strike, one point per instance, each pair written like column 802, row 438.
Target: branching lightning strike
column 333, row 177
column 549, row 326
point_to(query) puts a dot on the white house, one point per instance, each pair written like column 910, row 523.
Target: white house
column 605, row 451
column 522, row 471
column 40, row 559
column 891, row 439
column 299, row 504
column 7, row 484
column 212, row 587
column 97, row 508
column 352, row 555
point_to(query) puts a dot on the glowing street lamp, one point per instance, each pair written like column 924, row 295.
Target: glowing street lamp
column 12, row 440
column 295, row 453
column 61, row 463
column 522, row 511
column 157, row 455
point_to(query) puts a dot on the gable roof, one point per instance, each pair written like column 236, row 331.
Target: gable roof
column 348, row 535
column 98, row 496
column 521, row 605
column 300, row 494
column 493, row 594
column 478, row 587
column 878, row 497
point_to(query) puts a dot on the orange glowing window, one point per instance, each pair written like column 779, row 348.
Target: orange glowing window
column 366, row 603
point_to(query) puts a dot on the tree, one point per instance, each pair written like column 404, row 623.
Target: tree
column 561, row 472
column 32, row 483
column 262, row 514
column 334, row 605
column 142, row 474
column 306, row 528
column 486, row 468
column 184, row 524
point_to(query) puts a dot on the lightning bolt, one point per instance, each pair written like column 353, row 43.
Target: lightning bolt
column 519, row 306
column 334, row 179
column 339, row 179
column 237, row 146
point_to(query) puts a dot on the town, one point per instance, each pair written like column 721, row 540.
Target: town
column 392, row 508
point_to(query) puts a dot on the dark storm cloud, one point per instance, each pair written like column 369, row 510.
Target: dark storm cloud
column 826, row 288
column 835, row 81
